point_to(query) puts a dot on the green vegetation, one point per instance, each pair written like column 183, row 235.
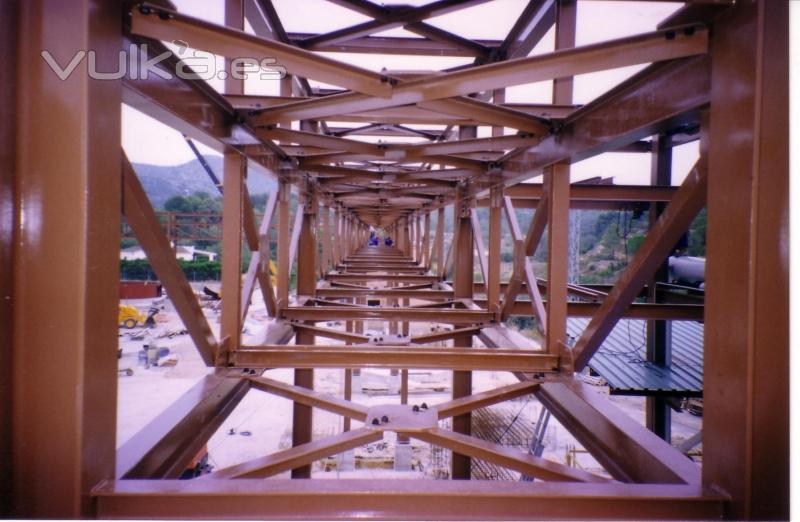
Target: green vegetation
column 608, row 240
column 140, row 270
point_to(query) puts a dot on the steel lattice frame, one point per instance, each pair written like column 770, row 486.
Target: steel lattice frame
column 717, row 73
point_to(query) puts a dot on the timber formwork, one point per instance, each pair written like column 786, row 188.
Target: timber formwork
column 717, row 73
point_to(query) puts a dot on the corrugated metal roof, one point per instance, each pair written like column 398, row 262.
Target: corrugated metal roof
column 622, row 362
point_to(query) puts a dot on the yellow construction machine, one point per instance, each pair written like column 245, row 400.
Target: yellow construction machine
column 130, row 316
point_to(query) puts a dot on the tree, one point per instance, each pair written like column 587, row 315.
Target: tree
column 197, row 202
column 697, row 235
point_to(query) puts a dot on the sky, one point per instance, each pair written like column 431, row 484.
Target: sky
column 148, row 141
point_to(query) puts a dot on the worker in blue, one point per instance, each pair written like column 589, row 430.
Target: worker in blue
column 388, row 241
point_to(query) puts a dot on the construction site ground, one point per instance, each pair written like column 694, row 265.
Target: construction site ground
column 261, row 423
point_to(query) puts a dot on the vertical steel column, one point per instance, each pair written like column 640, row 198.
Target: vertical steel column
column 495, row 239
column 337, row 237
column 557, row 186
column 566, row 24
column 426, row 240
column 284, row 270
column 402, row 438
column 498, row 97
column 396, row 233
column 306, row 285
column 66, row 254
column 566, row 29
column 439, row 243
column 418, row 239
column 412, row 236
column 234, row 18
column 407, row 245
column 347, row 231
column 284, row 237
column 9, row 213
column 462, row 289
column 348, row 394
column 232, row 205
column 659, row 333
column 558, row 181
column 326, row 239
column 746, row 414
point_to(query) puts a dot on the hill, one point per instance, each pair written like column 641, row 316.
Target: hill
column 162, row 182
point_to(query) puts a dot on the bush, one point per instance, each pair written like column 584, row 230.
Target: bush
column 198, row 270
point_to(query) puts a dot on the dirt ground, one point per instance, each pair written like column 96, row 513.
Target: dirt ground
column 261, row 423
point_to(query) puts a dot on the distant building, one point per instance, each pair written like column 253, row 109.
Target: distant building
column 185, row 253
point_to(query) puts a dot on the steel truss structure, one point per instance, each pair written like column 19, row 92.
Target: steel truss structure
column 717, row 73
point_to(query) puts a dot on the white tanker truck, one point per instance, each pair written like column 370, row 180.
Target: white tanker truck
column 687, row 270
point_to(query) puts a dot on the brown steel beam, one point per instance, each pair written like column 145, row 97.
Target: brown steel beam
column 305, row 244
column 649, row 47
column 510, row 458
column 141, row 218
column 658, row 244
column 661, row 311
column 317, row 140
column 351, row 269
column 523, row 270
column 328, row 333
column 558, row 188
column 492, row 281
column 233, row 206
column 531, row 26
column 294, row 242
column 297, row 456
column 9, row 223
column 440, row 35
column 310, row 398
column 284, row 266
column 579, row 192
column 394, row 45
column 64, row 175
column 398, row 278
column 466, row 107
column 438, row 245
column 462, row 146
column 259, row 269
column 477, row 234
column 232, row 44
column 346, row 499
column 400, row 292
column 625, row 448
column 394, row 357
column 444, row 335
column 385, row 18
column 474, row 401
column 746, row 432
column 486, row 113
column 234, row 18
column 164, row 447
column 573, row 205
column 199, row 112
column 463, row 276
column 347, row 33
column 659, row 98
column 332, row 313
